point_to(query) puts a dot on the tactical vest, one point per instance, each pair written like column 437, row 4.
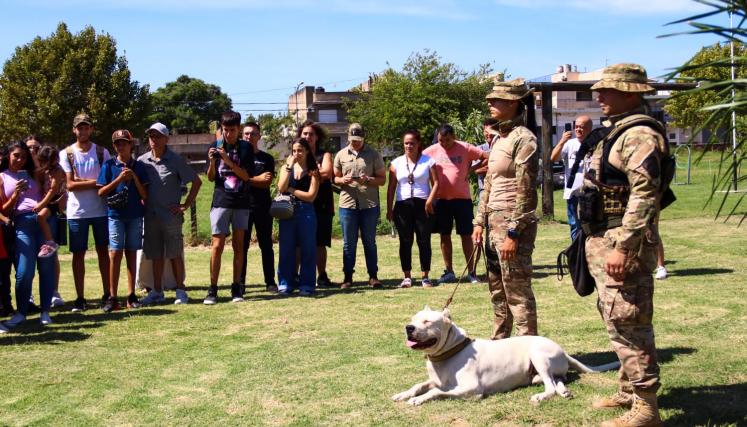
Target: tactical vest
column 607, row 207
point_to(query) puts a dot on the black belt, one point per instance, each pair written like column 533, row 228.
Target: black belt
column 591, row 228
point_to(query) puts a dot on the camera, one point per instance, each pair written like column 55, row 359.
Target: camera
column 215, row 155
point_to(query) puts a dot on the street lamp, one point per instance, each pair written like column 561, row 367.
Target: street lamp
column 298, row 86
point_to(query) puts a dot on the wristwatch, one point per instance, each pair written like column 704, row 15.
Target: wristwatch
column 513, row 233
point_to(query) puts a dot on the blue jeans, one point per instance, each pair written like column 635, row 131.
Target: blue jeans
column 29, row 239
column 573, row 216
column 79, row 232
column 353, row 221
column 297, row 231
column 125, row 234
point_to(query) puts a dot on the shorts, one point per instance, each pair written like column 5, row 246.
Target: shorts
column 450, row 211
column 324, row 229
column 79, row 232
column 125, row 234
column 221, row 218
column 163, row 239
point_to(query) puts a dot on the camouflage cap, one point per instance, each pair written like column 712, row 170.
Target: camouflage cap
column 512, row 90
column 625, row 78
column 122, row 134
column 82, row 118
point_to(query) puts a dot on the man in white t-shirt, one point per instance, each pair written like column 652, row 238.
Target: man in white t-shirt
column 82, row 162
column 566, row 149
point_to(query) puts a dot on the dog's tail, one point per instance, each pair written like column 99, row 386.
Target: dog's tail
column 580, row 367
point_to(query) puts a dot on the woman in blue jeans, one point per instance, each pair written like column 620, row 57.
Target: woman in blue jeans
column 21, row 191
column 299, row 178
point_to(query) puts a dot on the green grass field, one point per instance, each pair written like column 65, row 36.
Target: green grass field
column 336, row 359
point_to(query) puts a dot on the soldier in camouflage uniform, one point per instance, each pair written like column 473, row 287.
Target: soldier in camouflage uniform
column 507, row 206
column 621, row 248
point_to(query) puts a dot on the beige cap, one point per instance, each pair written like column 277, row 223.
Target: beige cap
column 355, row 132
column 625, row 78
column 512, row 90
column 82, row 118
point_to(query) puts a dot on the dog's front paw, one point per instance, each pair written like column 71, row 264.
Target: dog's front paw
column 539, row 397
column 567, row 394
column 415, row 401
column 400, row 396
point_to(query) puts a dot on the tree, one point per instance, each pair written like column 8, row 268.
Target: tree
column 425, row 94
column 188, row 105
column 49, row 80
column 730, row 93
column 687, row 108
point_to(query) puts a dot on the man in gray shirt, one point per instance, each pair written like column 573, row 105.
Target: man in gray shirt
column 164, row 212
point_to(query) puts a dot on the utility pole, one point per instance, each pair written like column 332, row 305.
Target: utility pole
column 298, row 87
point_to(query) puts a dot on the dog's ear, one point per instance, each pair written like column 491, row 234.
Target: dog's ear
column 426, row 308
column 446, row 313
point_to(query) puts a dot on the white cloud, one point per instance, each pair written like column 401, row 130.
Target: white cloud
column 623, row 7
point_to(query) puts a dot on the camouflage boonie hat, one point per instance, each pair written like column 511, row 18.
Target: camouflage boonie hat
column 512, row 90
column 625, row 78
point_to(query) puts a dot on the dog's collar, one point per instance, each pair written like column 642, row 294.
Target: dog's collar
column 448, row 354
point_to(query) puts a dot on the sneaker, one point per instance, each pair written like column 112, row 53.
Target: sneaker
column 3, row 329
column 44, row 319
column 57, row 300
column 426, row 282
column 33, row 308
column 181, row 297
column 273, row 289
column 110, row 305
column 447, row 277
column 323, row 281
column 14, row 321
column 375, row 283
column 79, row 305
column 406, row 283
column 306, row 293
column 105, row 298
column 472, row 277
column 347, row 282
column 48, row 249
column 661, row 272
column 132, row 301
column 212, row 296
column 236, row 293
column 153, row 297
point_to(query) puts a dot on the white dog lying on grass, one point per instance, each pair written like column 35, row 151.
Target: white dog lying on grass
column 461, row 367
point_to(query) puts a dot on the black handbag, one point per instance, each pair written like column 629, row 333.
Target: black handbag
column 282, row 206
column 575, row 261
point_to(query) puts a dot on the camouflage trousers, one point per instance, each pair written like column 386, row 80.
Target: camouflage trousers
column 510, row 283
column 627, row 309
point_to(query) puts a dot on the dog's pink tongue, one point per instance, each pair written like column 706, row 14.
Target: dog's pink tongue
column 411, row 344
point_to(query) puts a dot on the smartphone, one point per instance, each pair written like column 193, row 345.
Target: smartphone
column 355, row 177
column 568, row 127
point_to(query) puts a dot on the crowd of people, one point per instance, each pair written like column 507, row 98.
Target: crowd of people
column 133, row 204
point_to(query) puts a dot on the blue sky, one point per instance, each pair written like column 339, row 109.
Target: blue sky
column 259, row 50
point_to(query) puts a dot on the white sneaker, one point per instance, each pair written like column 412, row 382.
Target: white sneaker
column 3, row 329
column 14, row 321
column 153, row 297
column 473, row 278
column 44, row 319
column 181, row 297
column 57, row 300
column 661, row 272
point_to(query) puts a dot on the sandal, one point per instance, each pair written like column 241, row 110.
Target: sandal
column 426, row 282
column 406, row 283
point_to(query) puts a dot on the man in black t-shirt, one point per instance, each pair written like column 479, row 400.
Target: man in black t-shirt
column 231, row 167
column 259, row 207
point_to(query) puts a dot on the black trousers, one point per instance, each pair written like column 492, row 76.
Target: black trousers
column 410, row 218
column 262, row 222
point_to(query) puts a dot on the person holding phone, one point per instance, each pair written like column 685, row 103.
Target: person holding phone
column 19, row 196
column 566, row 150
column 359, row 170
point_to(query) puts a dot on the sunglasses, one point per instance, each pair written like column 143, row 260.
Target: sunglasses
column 410, row 179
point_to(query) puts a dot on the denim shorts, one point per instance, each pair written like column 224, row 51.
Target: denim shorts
column 126, row 234
column 221, row 218
column 79, row 232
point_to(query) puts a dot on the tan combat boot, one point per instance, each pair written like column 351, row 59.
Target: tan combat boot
column 644, row 413
column 622, row 399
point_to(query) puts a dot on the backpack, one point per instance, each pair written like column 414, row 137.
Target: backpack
column 71, row 158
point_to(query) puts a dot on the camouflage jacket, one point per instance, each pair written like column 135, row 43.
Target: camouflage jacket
column 511, row 177
column 637, row 152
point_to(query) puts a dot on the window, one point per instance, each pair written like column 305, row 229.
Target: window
column 327, row 116
column 673, row 136
column 583, row 96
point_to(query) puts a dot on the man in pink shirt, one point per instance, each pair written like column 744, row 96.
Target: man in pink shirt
column 454, row 202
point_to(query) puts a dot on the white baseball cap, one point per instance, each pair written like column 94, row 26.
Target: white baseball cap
column 159, row 127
